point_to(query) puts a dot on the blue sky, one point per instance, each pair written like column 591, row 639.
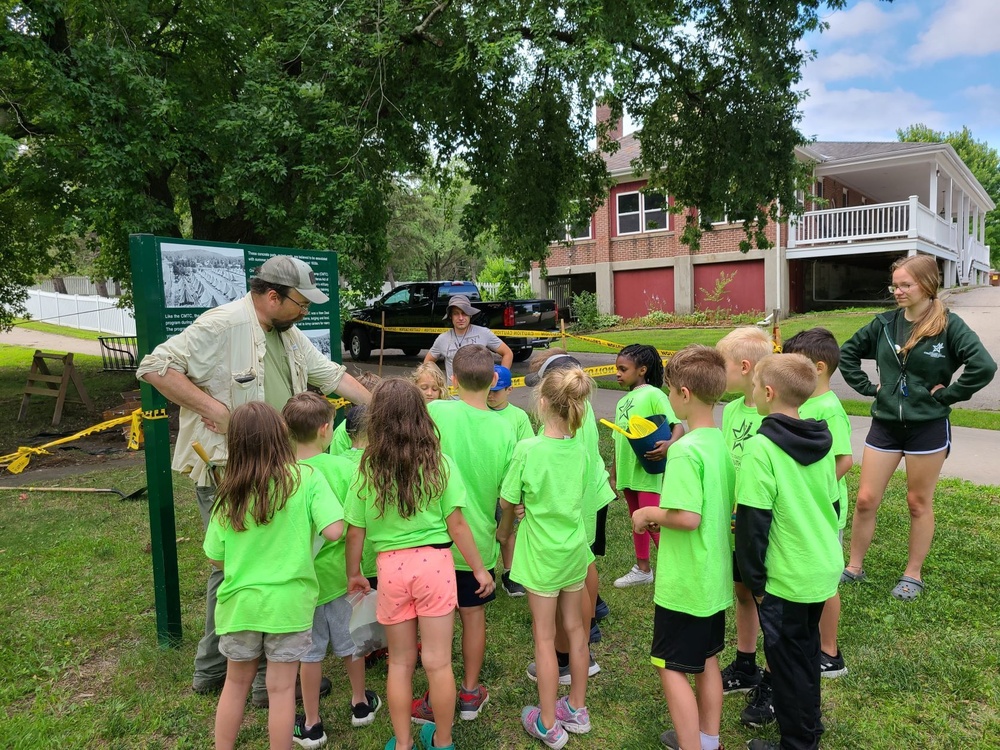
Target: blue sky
column 882, row 66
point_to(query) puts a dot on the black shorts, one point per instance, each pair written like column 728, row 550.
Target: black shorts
column 916, row 438
column 373, row 582
column 683, row 642
column 737, row 577
column 467, row 586
column 601, row 538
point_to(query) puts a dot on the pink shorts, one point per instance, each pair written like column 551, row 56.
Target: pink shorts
column 416, row 582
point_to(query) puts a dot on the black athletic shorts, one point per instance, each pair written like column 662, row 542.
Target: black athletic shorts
column 737, row 577
column 683, row 642
column 916, row 438
column 601, row 539
column 467, row 585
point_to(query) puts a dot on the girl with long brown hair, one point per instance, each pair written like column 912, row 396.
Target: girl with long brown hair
column 407, row 502
column 265, row 517
column 917, row 347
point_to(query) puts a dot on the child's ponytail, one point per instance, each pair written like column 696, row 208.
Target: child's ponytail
column 566, row 392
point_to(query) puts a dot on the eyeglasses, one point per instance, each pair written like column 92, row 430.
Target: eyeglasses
column 304, row 306
column 904, row 288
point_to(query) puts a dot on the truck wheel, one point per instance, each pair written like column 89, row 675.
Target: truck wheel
column 410, row 351
column 359, row 346
column 522, row 355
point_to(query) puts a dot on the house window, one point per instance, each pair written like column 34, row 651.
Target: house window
column 642, row 212
column 629, row 213
column 845, row 202
column 578, row 231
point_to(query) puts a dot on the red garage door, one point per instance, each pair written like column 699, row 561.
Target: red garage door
column 638, row 292
column 742, row 286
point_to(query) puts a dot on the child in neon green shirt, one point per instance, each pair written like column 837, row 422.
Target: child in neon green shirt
column 786, row 545
column 268, row 510
column 821, row 347
column 693, row 577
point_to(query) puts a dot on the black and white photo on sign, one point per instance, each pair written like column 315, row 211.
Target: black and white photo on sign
column 203, row 277
column 321, row 340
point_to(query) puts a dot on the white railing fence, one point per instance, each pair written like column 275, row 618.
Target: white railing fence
column 878, row 221
column 87, row 313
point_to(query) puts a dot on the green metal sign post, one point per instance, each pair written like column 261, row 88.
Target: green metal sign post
column 174, row 281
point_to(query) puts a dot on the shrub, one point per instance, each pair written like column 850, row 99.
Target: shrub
column 588, row 317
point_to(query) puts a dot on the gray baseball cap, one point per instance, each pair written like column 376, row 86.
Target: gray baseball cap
column 553, row 363
column 288, row 271
column 462, row 303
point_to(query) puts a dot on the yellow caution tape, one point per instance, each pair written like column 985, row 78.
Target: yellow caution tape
column 18, row 462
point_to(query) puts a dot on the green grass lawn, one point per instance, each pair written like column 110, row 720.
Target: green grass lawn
column 81, row 668
column 841, row 324
column 75, row 333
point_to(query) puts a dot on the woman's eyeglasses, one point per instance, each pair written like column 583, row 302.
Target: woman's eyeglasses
column 901, row 287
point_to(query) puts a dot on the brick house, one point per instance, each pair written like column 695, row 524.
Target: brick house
column 882, row 200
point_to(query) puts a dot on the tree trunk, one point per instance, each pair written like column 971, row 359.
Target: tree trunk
column 60, row 285
column 102, row 287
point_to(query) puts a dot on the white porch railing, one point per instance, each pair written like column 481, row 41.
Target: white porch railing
column 879, row 221
column 978, row 253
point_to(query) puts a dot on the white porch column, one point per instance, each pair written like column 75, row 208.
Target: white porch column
column 949, row 213
column 912, row 218
column 933, row 202
column 949, row 274
column 605, row 287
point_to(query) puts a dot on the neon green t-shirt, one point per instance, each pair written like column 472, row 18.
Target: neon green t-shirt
column 518, row 420
column 341, row 442
column 739, row 423
column 369, row 567
column 804, row 560
column 550, row 476
column 827, row 408
column 644, row 401
column 277, row 372
column 331, row 565
column 694, row 573
column 390, row 531
column 269, row 583
column 481, row 446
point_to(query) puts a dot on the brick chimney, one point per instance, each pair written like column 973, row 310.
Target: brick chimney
column 604, row 115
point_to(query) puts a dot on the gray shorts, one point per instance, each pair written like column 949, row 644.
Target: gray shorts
column 331, row 627
column 248, row 645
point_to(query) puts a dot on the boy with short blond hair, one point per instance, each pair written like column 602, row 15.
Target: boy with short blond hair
column 309, row 417
column 820, row 345
column 786, row 521
column 692, row 586
column 742, row 349
column 481, row 445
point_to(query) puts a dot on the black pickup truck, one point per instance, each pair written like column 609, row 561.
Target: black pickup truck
column 422, row 305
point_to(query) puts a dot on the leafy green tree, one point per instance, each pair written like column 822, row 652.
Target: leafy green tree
column 510, row 283
column 289, row 123
column 981, row 159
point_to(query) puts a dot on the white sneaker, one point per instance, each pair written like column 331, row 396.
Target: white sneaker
column 634, row 577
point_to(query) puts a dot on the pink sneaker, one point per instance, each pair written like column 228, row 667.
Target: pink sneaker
column 577, row 722
column 554, row 738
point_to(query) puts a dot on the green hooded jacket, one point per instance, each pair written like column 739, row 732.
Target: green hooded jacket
column 905, row 381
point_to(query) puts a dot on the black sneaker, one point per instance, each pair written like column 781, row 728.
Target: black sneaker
column 601, row 610
column 760, row 708
column 735, row 680
column 832, row 666
column 758, row 744
column 310, row 738
column 363, row 714
column 513, row 588
column 595, row 633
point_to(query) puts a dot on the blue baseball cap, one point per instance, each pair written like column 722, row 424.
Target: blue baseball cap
column 503, row 378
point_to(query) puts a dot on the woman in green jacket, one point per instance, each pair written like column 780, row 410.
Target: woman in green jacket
column 918, row 348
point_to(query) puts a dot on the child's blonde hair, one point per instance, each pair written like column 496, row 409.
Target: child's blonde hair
column 792, row 376
column 748, row 343
column 566, row 392
column 431, row 370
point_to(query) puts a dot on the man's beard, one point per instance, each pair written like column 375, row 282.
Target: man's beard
column 281, row 327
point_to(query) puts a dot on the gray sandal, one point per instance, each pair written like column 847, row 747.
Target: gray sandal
column 848, row 577
column 908, row 589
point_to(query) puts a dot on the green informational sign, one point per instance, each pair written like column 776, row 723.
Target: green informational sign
column 175, row 281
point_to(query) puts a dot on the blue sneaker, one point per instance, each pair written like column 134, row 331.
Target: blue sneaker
column 602, row 610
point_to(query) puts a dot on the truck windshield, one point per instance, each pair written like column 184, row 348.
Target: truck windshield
column 459, row 287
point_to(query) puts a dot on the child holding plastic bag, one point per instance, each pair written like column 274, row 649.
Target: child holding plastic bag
column 261, row 535
column 407, row 501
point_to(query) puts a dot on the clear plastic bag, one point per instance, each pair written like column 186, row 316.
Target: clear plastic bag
column 366, row 631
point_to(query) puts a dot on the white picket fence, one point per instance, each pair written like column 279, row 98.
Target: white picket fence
column 87, row 313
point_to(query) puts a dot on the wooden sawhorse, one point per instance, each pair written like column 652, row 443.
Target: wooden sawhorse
column 41, row 382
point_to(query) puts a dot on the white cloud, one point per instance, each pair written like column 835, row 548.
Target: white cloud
column 844, row 65
column 959, row 28
column 982, row 113
column 858, row 114
column 865, row 19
